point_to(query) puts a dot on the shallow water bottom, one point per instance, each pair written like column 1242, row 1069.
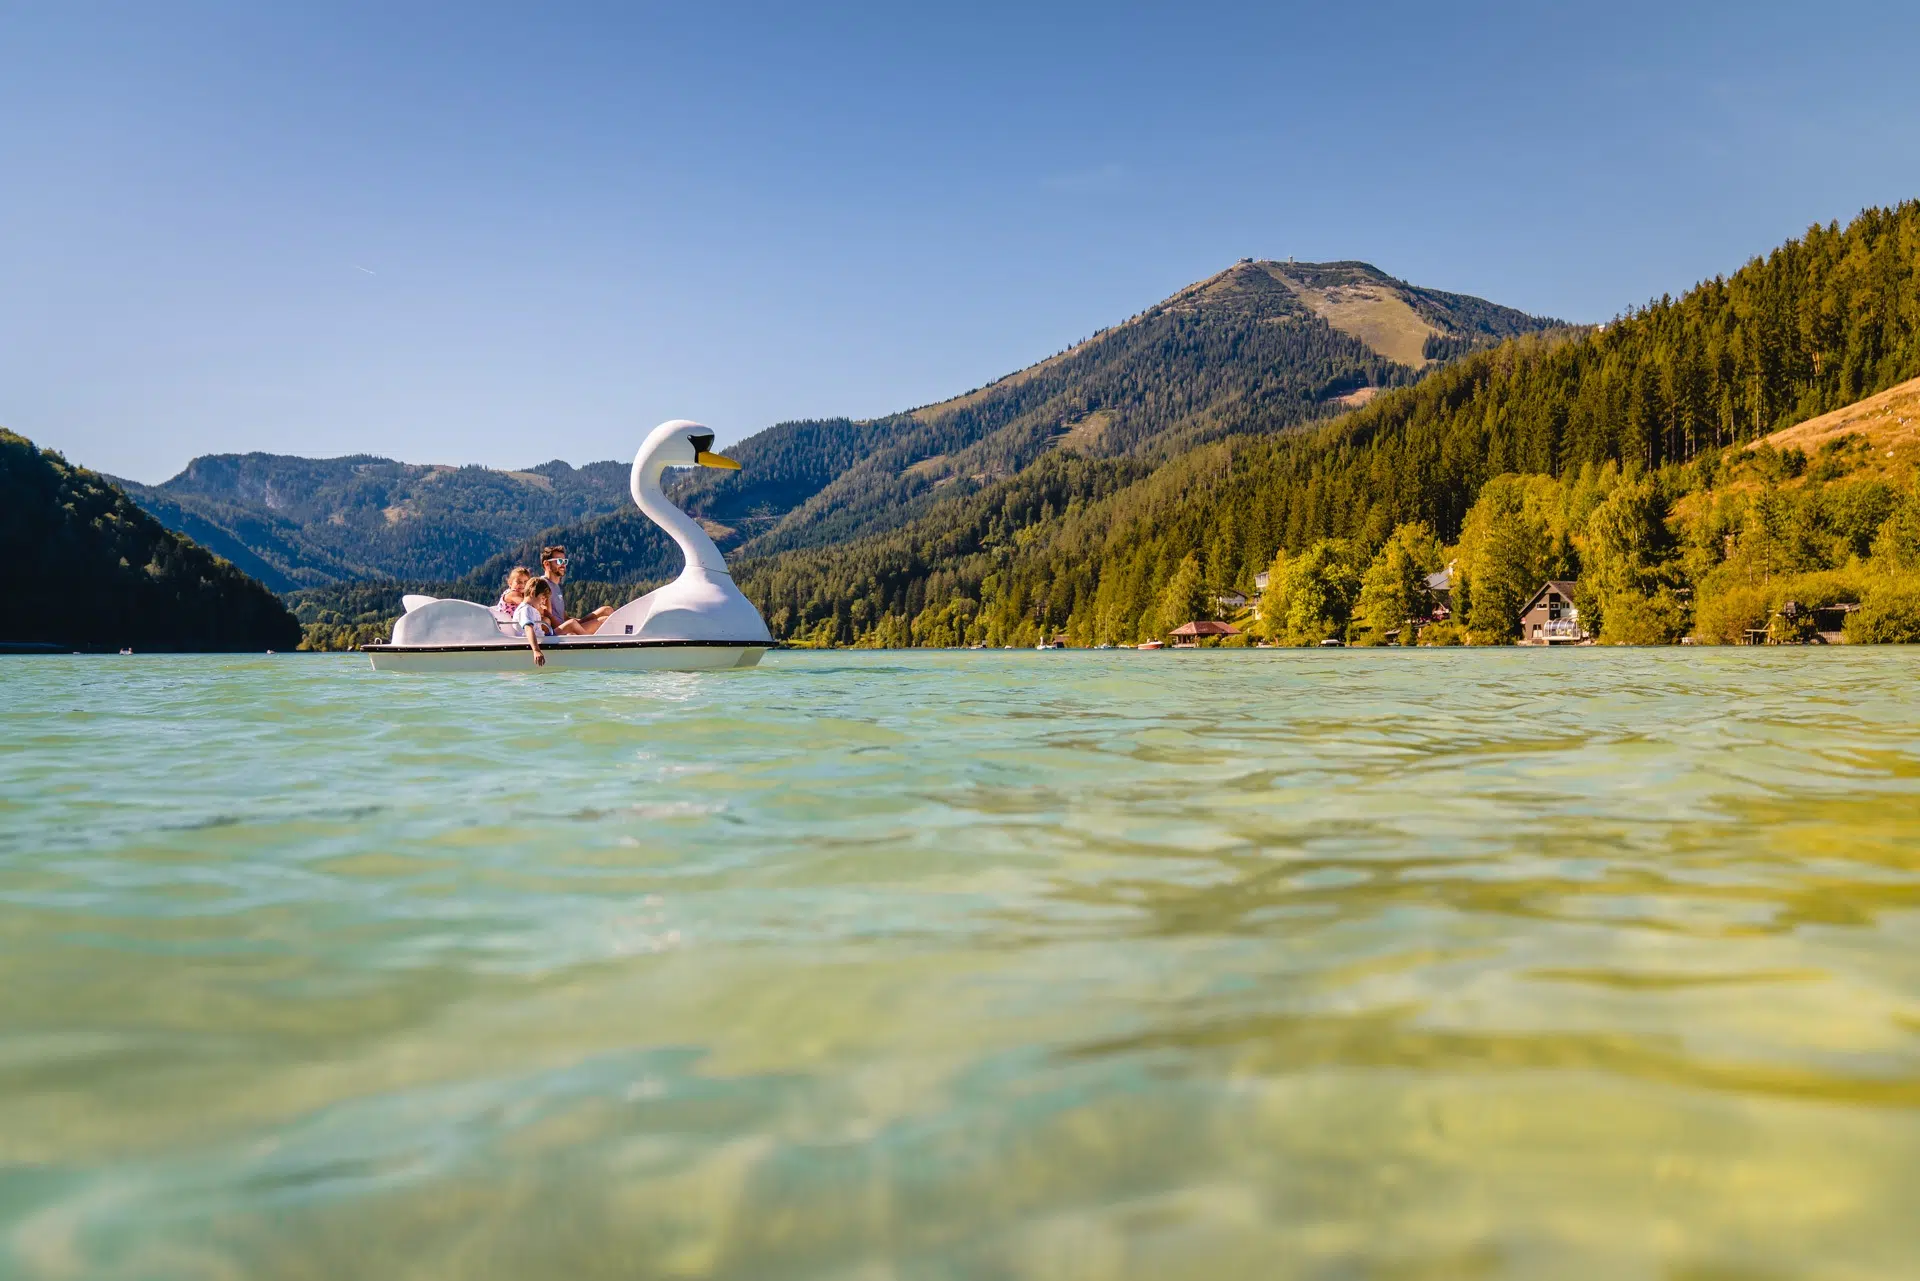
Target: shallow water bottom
column 1230, row 963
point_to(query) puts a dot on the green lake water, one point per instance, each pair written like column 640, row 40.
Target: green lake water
column 934, row 965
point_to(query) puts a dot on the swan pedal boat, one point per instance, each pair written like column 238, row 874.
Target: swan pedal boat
column 699, row 622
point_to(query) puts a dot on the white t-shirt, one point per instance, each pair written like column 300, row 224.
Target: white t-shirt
column 527, row 616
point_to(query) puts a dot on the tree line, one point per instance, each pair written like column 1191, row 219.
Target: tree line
column 1533, row 458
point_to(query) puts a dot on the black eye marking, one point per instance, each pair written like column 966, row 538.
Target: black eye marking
column 702, row 444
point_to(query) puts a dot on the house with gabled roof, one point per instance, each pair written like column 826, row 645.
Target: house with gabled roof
column 1551, row 618
column 1189, row 635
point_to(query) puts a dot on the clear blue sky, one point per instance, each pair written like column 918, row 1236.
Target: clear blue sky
column 502, row 234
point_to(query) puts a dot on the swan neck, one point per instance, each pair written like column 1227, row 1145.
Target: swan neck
column 682, row 528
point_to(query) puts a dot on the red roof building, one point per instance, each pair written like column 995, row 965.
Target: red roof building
column 1189, row 634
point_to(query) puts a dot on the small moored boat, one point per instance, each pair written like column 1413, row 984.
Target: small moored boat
column 698, row 622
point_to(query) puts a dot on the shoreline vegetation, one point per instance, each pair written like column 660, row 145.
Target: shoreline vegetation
column 1670, row 464
column 1737, row 542
column 1615, row 458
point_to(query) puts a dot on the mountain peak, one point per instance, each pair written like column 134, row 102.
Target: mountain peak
column 1393, row 318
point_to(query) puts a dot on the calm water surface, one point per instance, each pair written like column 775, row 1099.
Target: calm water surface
column 1226, row 964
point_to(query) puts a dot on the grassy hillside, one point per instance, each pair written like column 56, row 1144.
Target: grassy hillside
column 1888, row 422
column 108, row 575
column 1402, row 322
column 1818, row 324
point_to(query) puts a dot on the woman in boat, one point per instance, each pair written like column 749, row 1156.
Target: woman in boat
column 530, row 617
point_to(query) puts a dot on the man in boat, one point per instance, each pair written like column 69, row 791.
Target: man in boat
column 553, row 566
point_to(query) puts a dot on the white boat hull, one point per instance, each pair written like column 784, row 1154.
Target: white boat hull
column 584, row 655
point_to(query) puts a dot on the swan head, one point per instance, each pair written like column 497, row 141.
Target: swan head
column 682, row 443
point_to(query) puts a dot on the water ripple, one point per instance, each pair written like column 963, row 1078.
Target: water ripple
column 1235, row 963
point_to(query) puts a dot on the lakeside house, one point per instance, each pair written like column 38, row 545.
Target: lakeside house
column 1188, row 635
column 1229, row 601
column 1797, row 624
column 1440, row 587
column 1259, row 590
column 1550, row 618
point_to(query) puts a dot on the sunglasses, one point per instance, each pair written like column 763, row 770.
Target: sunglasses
column 561, row 561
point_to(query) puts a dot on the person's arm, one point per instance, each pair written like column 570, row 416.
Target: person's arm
column 531, row 628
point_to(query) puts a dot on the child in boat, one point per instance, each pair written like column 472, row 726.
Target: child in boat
column 530, row 617
column 515, row 593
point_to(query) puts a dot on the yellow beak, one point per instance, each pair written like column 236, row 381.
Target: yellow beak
column 706, row 459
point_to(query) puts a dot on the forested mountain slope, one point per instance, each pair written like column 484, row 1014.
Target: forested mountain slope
column 106, row 574
column 1078, row 544
column 1259, row 347
column 265, row 545
column 296, row 522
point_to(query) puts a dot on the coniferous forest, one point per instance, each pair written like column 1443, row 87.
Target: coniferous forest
column 104, row 574
column 1618, row 457
column 1124, row 487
